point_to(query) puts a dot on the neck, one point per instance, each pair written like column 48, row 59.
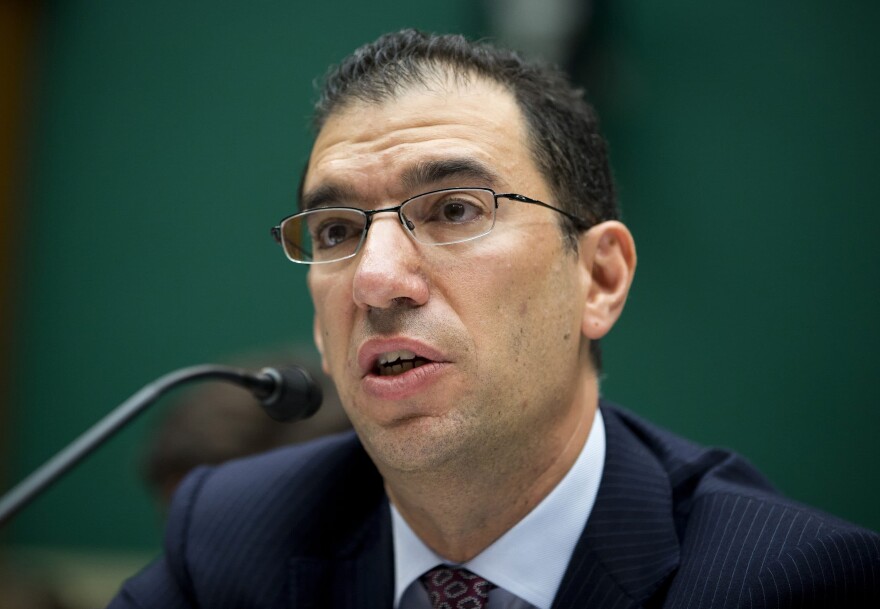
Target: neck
column 460, row 510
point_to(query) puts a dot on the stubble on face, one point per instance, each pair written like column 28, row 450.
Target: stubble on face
column 420, row 433
column 512, row 388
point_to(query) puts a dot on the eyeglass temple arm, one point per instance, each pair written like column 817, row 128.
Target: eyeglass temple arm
column 524, row 199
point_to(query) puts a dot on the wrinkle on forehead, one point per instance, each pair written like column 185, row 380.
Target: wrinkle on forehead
column 481, row 120
column 450, row 123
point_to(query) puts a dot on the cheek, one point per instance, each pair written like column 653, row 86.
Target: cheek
column 537, row 309
column 330, row 309
column 478, row 289
column 503, row 305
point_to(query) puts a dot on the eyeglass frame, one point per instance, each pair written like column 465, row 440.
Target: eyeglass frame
column 275, row 231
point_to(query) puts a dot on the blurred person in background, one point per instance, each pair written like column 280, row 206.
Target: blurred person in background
column 19, row 590
column 214, row 423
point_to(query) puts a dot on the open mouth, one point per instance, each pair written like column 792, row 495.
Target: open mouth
column 398, row 362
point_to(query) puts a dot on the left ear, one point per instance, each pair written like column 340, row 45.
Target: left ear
column 608, row 262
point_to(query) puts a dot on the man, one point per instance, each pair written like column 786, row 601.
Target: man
column 460, row 222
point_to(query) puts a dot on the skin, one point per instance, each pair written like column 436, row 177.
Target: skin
column 511, row 314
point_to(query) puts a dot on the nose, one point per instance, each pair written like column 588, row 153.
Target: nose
column 389, row 269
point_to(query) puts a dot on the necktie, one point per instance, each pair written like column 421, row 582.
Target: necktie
column 456, row 588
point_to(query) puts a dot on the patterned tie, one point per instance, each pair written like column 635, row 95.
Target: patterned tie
column 456, row 588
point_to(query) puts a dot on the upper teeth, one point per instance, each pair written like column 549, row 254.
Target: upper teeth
column 393, row 356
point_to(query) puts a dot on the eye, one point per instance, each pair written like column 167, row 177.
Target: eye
column 457, row 208
column 456, row 211
column 332, row 232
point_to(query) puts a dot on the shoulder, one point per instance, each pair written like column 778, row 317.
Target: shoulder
column 278, row 489
column 693, row 471
column 742, row 544
column 756, row 550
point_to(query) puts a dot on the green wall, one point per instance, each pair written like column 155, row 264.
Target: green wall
column 170, row 136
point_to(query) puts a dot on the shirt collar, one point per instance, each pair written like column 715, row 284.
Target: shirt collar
column 530, row 559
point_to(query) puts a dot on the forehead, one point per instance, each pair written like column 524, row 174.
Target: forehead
column 373, row 148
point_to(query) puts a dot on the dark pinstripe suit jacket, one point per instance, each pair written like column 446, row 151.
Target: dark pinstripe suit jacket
column 674, row 525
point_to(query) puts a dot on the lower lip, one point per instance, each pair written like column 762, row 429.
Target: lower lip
column 402, row 386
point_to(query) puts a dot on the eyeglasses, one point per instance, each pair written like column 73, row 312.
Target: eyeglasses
column 439, row 217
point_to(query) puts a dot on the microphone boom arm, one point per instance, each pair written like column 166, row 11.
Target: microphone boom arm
column 266, row 385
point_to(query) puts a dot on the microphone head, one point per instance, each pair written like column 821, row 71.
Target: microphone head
column 296, row 395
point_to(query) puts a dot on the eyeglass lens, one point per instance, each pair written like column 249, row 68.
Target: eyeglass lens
column 438, row 218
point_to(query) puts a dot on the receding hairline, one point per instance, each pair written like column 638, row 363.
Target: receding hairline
column 433, row 75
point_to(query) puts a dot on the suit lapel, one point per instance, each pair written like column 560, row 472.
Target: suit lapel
column 345, row 558
column 365, row 577
column 629, row 547
column 362, row 575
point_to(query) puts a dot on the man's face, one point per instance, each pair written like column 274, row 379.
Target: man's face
column 495, row 323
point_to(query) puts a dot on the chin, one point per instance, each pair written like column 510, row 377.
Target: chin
column 414, row 444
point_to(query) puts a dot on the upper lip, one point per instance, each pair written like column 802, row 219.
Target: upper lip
column 371, row 349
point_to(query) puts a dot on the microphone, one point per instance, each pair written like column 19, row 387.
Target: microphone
column 286, row 394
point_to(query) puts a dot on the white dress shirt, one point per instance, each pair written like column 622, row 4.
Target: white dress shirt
column 527, row 562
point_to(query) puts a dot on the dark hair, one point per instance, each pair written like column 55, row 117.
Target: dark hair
column 563, row 128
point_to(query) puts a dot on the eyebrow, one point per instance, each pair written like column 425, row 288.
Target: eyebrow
column 327, row 195
column 422, row 175
column 426, row 173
